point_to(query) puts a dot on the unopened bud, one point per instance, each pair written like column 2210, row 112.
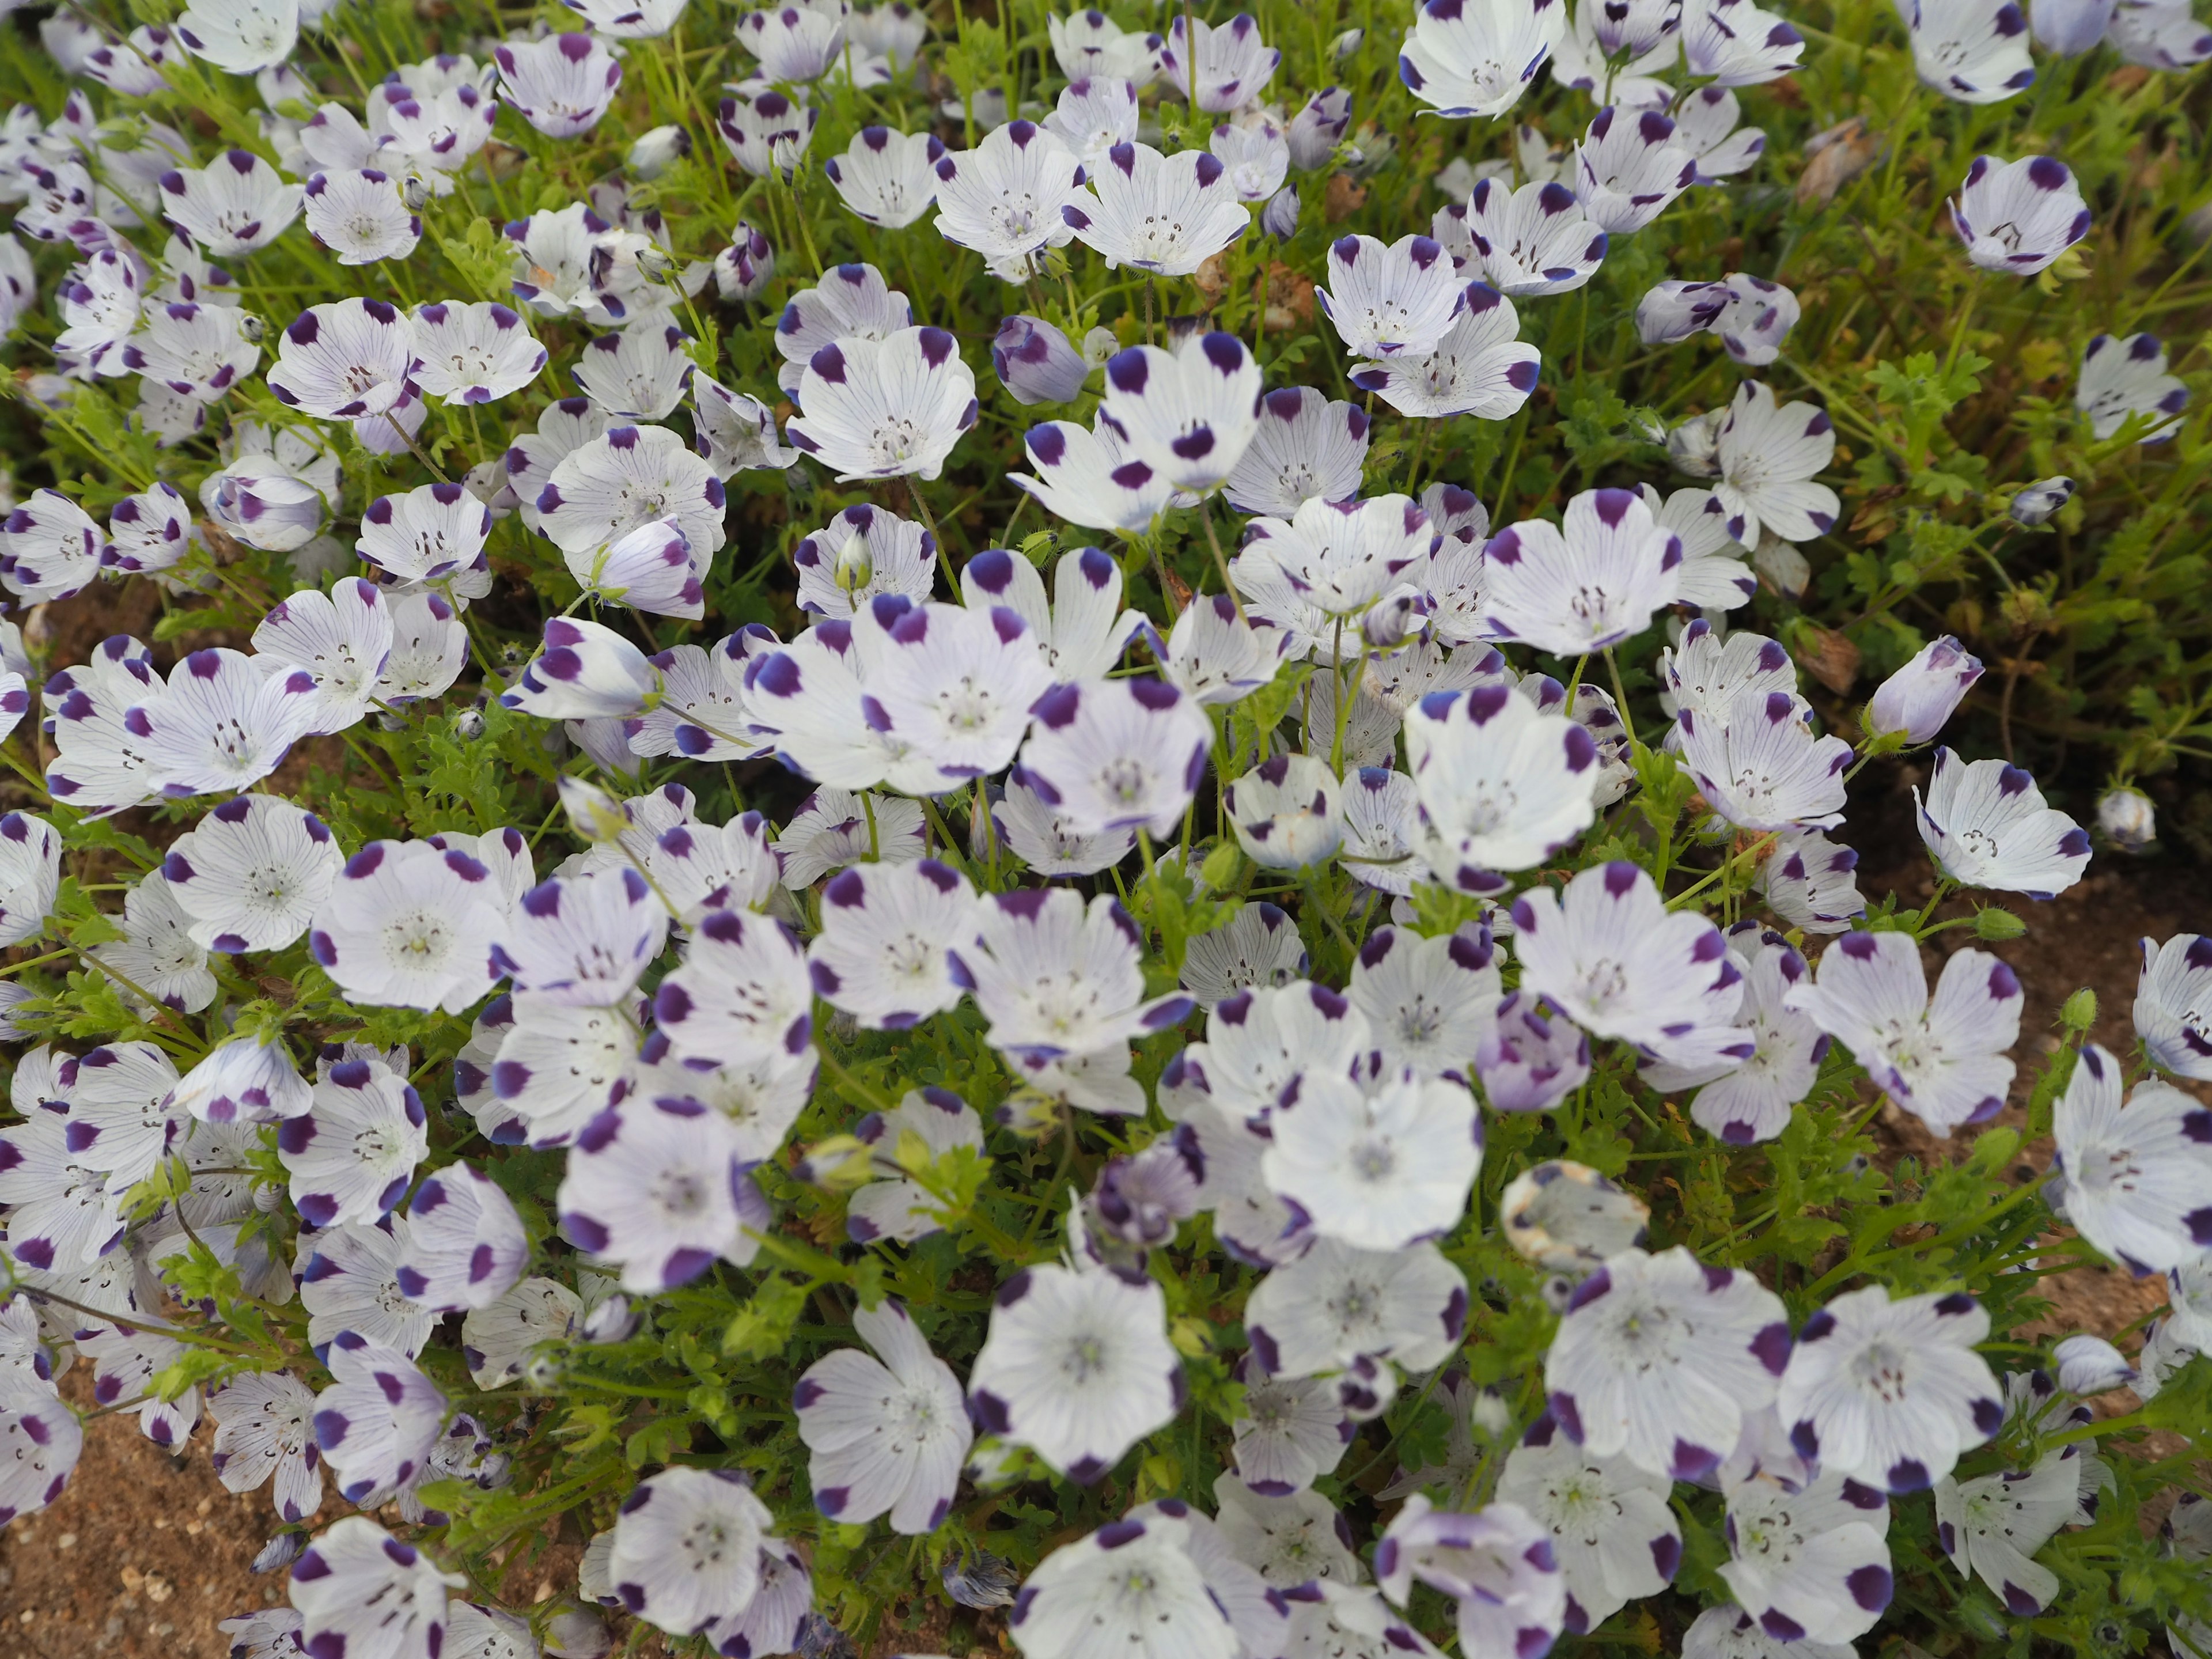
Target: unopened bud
column 1787, row 570
column 1694, row 446
column 841, row 1162
column 1279, row 218
column 414, row 192
column 2080, row 1011
column 251, row 327
column 654, row 264
column 468, row 725
column 655, row 152
column 2128, row 818
column 1099, row 346
column 2036, row 504
column 855, row 568
column 1036, row 363
column 1345, row 43
column 1388, row 624
column 594, row 813
column 1997, row 924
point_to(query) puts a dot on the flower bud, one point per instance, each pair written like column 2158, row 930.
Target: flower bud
column 1920, row 696
column 1694, row 446
column 2127, row 818
column 1673, row 311
column 2089, row 1365
column 1036, row 363
column 586, row 670
column 468, row 725
column 1099, row 346
column 1530, row 1061
column 1391, row 620
column 654, row 264
column 2079, row 1012
column 1757, row 319
column 1345, row 43
column 594, row 813
column 655, row 152
column 577, row 1633
column 1314, row 130
column 251, row 327
column 279, row 1551
column 415, row 191
column 744, row 270
column 1785, row 568
column 2041, row 500
column 612, row 1321
column 1995, row 924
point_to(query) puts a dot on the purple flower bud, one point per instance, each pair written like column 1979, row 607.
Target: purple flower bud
column 1317, row 127
column 1533, row 1059
column 1919, row 698
column 1673, row 311
column 655, row 152
column 1391, row 622
column 1279, row 218
column 2036, row 504
column 744, row 270
column 2130, row 823
column 2089, row 1365
column 1036, row 363
column 1694, row 446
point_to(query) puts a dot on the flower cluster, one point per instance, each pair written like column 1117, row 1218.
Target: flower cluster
column 1154, row 993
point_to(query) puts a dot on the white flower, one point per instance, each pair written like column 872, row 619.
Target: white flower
column 476, row 353
column 1293, row 1431
column 1767, row 456
column 349, row 1281
column 1593, row 584
column 1759, row 765
column 1386, row 300
column 1614, row 1537
column 1290, row 1539
column 1533, row 240
column 687, row 1547
column 1428, row 1001
column 1082, row 630
column 1188, row 416
column 1233, row 64
column 1097, row 113
column 894, row 1206
column 409, row 926
column 887, row 178
column 2173, row 1004
column 886, row 929
column 1747, row 1101
column 1337, row 1303
column 2019, row 216
column 1629, row 167
column 658, row 1186
column 359, row 1589
column 742, row 994
column 2125, row 378
column 1810, row 883
column 1168, row 214
column 359, row 214
column 1479, row 367
column 881, row 409
column 1497, row 1564
column 1090, row 45
column 626, row 477
column 252, row 875
column 1991, row 1527
column 1004, row 197
column 1660, row 1358
column 1077, row 1366
column 1501, row 785
column 1986, row 826
column 345, row 360
column 241, row 36
column 1132, row 1583
column 1476, row 59
column 1376, row 1168
column 1810, row 1564
column 377, row 1422
column 2138, row 1176
column 887, row 1434
column 1944, row 1060
column 1055, row 978
column 1891, row 1392
column 263, row 1430
column 1306, row 448
column 1974, row 51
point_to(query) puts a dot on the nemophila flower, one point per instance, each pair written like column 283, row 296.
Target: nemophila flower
column 1167, row 214
column 1734, row 43
column 628, row 477
column 156, row 954
column 2136, row 1175
column 581, row 940
column 263, row 1433
column 888, row 1433
column 1479, row 368
column 1258, row 946
column 1629, row 168
column 1428, row 1001
column 361, row 1591
column 49, row 548
column 1116, row 755
column 241, row 36
column 1499, row 1565
column 1986, row 826
column 1188, row 416
column 1475, row 60
column 1222, row 66
column 1593, row 585
column 1337, row 1303
column 1340, row 557
column 30, row 875
column 349, row 1281
column 1134, row 1583
column 345, row 360
column 1287, row 812
column 148, row 532
column 1004, row 197
column 101, row 305
column 1767, row 456
column 638, row 374
column 351, row 1156
column 431, row 532
column 243, row 1079
column 1382, row 831
column 2173, row 1010
column 1705, row 125
column 2156, row 34
column 765, row 131
column 342, row 638
column 793, row 43
column 1258, row 158
column 1215, row 654
column 1944, row 1060
column 361, row 216
column 741, row 995
column 1304, row 448
column 376, row 1423
column 881, row 956
column 1051, row 843
column 1081, row 630
column 1093, row 480
column 1096, row 112
column 650, row 568
column 1034, row 362
column 658, row 1186
column 893, row 1206
column 1501, row 786
column 235, row 205
column 1293, row 1431
column 2019, row 216
column 863, row 552
column 2127, row 377
column 836, row 827
column 1089, row 44
column 474, row 353
column 2090, row 1365
column 1376, row 1168
column 1974, row 51
column 1810, row 883
column 430, row 647
column 849, row 302
column 702, row 713
column 219, row 723
column 554, row 1067
column 1891, row 1392
column 1991, row 1527
column 121, row 1120
column 687, row 1547
column 888, row 179
column 1919, row 698
column 1386, row 300
column 252, row 874
column 1660, row 1358
column 1291, row 1540
column 881, row 409
column 735, row 431
column 1077, row 1367
column 1745, row 1101
column 1054, row 977
column 1730, row 1632
column 497, row 1340
column 63, row 1214
column 1810, row 1564
column 408, row 924
column 1317, row 128
column 1612, row 1533
column 1759, row 765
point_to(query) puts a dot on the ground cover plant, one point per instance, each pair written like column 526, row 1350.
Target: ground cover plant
column 991, row 830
